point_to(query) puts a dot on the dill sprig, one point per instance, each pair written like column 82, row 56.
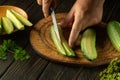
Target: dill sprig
column 112, row 72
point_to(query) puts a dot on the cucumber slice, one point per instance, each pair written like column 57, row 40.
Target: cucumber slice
column 21, row 18
column 0, row 27
column 56, row 41
column 68, row 49
column 88, row 44
column 14, row 20
column 7, row 25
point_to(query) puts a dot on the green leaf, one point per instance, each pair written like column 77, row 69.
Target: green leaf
column 21, row 54
column 18, row 52
column 3, row 55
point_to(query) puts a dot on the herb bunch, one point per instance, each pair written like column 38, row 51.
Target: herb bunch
column 10, row 46
column 112, row 72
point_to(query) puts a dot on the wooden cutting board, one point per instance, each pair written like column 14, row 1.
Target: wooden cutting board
column 41, row 42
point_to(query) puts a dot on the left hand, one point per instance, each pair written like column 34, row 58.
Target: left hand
column 83, row 14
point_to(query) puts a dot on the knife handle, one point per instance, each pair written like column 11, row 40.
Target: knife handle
column 51, row 7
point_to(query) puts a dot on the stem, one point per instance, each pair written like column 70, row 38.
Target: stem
column 10, row 51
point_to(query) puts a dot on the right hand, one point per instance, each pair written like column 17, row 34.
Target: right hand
column 46, row 5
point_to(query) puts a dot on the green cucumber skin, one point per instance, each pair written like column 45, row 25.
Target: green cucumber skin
column 113, row 31
column 7, row 25
column 56, row 41
column 88, row 44
column 21, row 18
column 14, row 20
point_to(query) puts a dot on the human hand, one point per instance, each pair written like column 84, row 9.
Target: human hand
column 46, row 5
column 83, row 14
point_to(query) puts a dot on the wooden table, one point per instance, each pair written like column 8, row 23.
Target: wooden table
column 38, row 68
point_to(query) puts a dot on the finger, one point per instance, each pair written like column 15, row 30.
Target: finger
column 46, row 6
column 39, row 2
column 55, row 3
column 68, row 19
column 76, row 28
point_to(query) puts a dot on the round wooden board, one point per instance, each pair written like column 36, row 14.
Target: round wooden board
column 41, row 41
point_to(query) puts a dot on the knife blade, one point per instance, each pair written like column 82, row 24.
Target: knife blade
column 55, row 23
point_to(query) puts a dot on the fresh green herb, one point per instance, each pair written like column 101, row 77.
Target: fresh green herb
column 11, row 46
column 3, row 55
column 20, row 54
column 112, row 72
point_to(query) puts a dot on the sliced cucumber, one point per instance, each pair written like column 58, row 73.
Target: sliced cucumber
column 7, row 25
column 68, row 49
column 21, row 18
column 14, row 20
column 56, row 41
column 88, row 44
column 0, row 27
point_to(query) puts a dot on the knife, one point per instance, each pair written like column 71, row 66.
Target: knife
column 55, row 22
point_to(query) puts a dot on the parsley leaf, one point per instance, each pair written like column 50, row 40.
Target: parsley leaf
column 18, row 52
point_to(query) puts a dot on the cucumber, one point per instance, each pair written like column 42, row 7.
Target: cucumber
column 0, row 27
column 7, row 25
column 14, row 20
column 88, row 44
column 56, row 41
column 21, row 18
column 62, row 46
column 68, row 49
column 113, row 31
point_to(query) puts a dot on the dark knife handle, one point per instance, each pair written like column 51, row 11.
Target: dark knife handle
column 51, row 8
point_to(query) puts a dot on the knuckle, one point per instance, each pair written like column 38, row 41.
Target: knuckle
column 39, row 2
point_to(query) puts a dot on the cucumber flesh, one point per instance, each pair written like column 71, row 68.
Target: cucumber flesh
column 14, row 20
column 56, row 41
column 68, row 49
column 21, row 18
column 88, row 46
column 0, row 26
column 7, row 25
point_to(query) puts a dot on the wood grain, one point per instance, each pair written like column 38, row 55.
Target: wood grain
column 41, row 41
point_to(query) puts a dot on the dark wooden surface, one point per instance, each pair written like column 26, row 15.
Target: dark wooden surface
column 38, row 68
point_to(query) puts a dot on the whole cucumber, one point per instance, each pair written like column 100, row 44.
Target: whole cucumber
column 113, row 30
